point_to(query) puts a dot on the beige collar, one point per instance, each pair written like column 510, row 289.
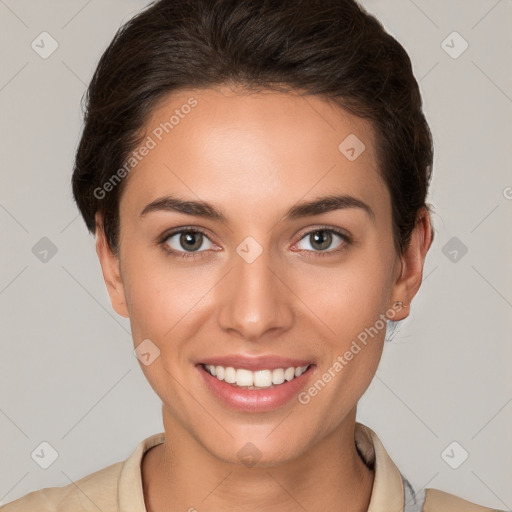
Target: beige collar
column 387, row 491
column 388, row 488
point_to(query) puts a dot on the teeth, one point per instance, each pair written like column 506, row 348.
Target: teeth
column 277, row 376
column 244, row 378
column 217, row 371
column 262, row 379
column 289, row 374
column 259, row 379
column 230, row 375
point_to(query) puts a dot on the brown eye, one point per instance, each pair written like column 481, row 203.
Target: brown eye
column 320, row 240
column 186, row 241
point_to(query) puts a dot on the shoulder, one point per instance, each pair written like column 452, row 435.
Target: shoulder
column 111, row 489
column 93, row 492
column 440, row 501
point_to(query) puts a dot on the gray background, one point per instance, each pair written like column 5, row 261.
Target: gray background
column 68, row 374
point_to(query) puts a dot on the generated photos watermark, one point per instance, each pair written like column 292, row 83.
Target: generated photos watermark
column 144, row 149
column 341, row 361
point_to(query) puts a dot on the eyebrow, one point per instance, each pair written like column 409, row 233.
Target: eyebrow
column 298, row 211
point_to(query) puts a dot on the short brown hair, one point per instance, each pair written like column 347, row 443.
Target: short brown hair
column 330, row 48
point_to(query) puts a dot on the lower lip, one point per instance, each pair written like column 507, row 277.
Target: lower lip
column 255, row 400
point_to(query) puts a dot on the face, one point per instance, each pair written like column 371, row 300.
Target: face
column 267, row 282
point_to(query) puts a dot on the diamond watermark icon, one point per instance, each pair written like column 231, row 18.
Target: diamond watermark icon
column 351, row 147
column 249, row 454
column 454, row 249
column 44, row 250
column 454, row 45
column 146, row 352
column 44, row 455
column 249, row 249
column 454, row 455
column 44, row 45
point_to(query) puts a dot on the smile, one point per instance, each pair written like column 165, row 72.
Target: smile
column 255, row 391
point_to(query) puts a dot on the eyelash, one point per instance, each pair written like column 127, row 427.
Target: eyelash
column 183, row 254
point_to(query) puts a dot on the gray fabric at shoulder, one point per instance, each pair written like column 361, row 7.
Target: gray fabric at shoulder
column 413, row 501
column 435, row 500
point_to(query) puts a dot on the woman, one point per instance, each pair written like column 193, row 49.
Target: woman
column 256, row 174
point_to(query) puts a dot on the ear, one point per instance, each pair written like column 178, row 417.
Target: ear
column 409, row 273
column 110, row 267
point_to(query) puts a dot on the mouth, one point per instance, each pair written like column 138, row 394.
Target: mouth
column 260, row 390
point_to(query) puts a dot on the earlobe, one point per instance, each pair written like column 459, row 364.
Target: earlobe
column 110, row 268
column 412, row 260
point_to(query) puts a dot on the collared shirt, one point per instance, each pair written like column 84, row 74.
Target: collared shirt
column 118, row 487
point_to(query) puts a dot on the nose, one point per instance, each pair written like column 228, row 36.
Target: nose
column 256, row 299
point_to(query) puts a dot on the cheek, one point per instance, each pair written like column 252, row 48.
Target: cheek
column 161, row 294
column 352, row 305
column 347, row 298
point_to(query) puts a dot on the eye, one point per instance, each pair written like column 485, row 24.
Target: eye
column 322, row 238
column 185, row 241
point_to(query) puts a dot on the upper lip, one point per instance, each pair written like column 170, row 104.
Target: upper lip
column 268, row 362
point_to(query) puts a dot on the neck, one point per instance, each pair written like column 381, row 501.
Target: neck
column 330, row 475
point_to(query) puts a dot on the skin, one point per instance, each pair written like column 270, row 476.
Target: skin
column 254, row 155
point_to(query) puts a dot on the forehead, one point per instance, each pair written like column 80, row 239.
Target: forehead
column 254, row 149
